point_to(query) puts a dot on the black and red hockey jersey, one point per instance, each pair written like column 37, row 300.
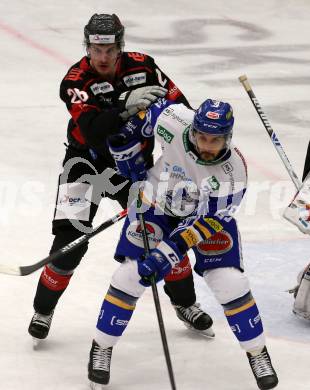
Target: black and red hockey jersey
column 93, row 101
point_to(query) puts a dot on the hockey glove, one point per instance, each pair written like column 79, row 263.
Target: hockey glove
column 299, row 216
column 298, row 212
column 192, row 231
column 139, row 99
column 128, row 157
column 159, row 263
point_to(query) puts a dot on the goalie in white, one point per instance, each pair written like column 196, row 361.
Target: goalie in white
column 298, row 213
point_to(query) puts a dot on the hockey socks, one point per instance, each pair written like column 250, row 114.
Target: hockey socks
column 55, row 279
column 116, row 311
column 244, row 319
column 52, row 284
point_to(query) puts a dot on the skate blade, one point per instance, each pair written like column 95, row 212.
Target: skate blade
column 301, row 314
column 96, row 386
column 36, row 343
column 209, row 333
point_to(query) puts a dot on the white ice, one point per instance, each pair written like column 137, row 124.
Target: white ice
column 204, row 46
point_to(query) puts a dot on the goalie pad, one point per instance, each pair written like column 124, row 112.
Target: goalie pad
column 301, row 305
column 298, row 211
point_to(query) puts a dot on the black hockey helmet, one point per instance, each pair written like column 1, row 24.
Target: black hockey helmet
column 104, row 29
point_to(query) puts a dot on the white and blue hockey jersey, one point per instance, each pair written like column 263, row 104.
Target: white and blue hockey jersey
column 180, row 183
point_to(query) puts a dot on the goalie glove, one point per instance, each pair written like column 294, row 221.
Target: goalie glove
column 139, row 99
column 298, row 212
column 299, row 216
column 128, row 157
column 193, row 231
column 159, row 262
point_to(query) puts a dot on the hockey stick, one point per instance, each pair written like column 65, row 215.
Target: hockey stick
column 155, row 295
column 245, row 82
column 289, row 213
column 29, row 269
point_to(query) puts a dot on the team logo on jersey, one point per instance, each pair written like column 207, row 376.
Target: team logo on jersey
column 218, row 244
column 165, row 134
column 101, row 88
column 227, row 167
column 134, row 234
column 135, row 79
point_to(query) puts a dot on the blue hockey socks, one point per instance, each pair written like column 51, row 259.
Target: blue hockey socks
column 116, row 311
column 243, row 317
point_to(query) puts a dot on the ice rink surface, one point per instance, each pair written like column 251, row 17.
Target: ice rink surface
column 204, row 46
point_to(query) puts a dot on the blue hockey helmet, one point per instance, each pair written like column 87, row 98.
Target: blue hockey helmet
column 215, row 118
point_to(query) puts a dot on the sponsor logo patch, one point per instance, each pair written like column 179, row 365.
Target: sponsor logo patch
column 101, row 88
column 168, row 111
column 135, row 79
column 218, row 244
column 165, row 134
column 212, row 115
column 213, row 183
column 73, row 201
column 134, row 234
column 101, row 39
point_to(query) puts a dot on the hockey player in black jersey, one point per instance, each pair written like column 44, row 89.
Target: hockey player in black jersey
column 101, row 91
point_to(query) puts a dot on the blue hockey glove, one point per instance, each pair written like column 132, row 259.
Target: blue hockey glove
column 128, row 157
column 159, row 263
column 194, row 230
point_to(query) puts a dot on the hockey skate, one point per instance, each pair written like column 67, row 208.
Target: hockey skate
column 195, row 319
column 262, row 369
column 39, row 327
column 99, row 366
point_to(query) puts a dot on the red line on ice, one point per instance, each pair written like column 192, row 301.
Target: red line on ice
column 30, row 42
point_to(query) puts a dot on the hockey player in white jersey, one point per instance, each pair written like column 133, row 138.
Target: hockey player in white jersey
column 189, row 199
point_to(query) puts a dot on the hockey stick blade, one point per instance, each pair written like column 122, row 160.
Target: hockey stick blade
column 29, row 269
